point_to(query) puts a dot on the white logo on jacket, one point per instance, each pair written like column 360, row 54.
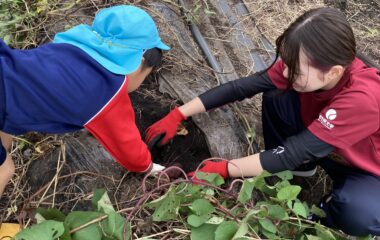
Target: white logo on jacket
column 278, row 150
column 330, row 116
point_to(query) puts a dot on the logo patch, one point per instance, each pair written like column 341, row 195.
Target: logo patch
column 278, row 150
column 331, row 114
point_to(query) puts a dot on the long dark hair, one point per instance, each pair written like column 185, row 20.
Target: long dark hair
column 325, row 36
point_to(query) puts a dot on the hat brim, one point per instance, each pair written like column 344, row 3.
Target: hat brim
column 163, row 46
column 117, row 59
column 133, row 59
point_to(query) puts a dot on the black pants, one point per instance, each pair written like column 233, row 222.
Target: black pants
column 355, row 203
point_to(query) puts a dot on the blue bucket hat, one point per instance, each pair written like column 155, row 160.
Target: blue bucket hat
column 117, row 38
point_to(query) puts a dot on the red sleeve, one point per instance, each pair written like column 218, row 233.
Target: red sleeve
column 275, row 74
column 350, row 117
column 114, row 127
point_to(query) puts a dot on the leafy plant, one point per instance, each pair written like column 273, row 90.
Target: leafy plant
column 22, row 22
column 101, row 223
column 193, row 15
column 14, row 17
column 201, row 209
column 214, row 213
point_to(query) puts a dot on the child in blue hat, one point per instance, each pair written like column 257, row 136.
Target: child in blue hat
column 82, row 80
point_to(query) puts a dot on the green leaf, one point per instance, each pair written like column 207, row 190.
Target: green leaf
column 188, row 192
column 49, row 214
column 285, row 175
column 215, row 220
column 202, row 210
column 299, row 209
column 269, row 235
column 289, row 192
column 166, row 207
column 53, row 214
column 101, row 202
column 79, row 218
column 282, row 184
column 318, row 211
column 237, row 211
column 262, row 212
column 312, row 237
column 244, row 225
column 268, row 225
column 226, row 230
column 249, row 184
column 262, row 186
column 196, row 221
column 245, row 193
column 202, row 207
column 210, row 192
column 204, row 232
column 186, row 189
column 97, row 195
column 66, row 235
column 128, row 234
column 291, row 231
column 290, row 204
column 47, row 230
column 323, row 232
column 242, row 230
column 112, row 227
column 212, row 178
column 277, row 212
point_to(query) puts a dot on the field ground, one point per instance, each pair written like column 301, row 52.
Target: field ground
column 66, row 187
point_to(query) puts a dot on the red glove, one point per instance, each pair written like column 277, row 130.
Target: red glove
column 167, row 126
column 210, row 166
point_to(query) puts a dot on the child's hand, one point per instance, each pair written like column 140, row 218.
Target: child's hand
column 167, row 126
column 210, row 166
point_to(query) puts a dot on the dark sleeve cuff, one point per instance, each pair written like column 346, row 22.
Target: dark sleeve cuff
column 271, row 162
column 295, row 151
column 3, row 154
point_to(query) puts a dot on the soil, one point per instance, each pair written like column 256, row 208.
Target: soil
column 187, row 150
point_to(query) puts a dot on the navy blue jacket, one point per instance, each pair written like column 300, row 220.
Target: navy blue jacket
column 58, row 88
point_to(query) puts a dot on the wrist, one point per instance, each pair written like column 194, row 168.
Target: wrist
column 149, row 168
column 227, row 169
column 193, row 107
column 180, row 114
